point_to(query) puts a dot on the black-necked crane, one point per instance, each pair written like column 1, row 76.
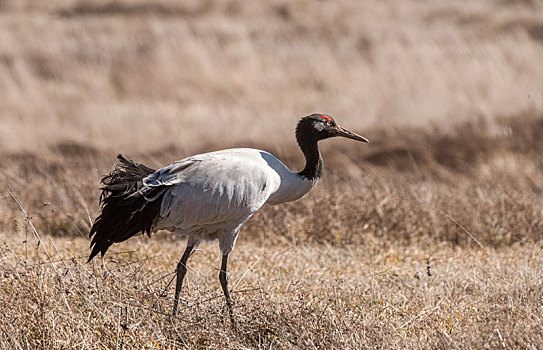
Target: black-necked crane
column 207, row 196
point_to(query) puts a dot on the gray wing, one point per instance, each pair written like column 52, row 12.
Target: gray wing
column 211, row 189
column 169, row 175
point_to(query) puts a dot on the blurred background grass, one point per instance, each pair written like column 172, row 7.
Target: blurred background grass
column 449, row 93
column 138, row 75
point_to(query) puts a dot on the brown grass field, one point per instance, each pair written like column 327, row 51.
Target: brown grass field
column 429, row 237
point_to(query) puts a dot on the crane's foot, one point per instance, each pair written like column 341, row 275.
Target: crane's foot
column 181, row 271
column 223, row 278
column 229, row 304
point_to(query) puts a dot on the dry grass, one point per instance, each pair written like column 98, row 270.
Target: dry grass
column 430, row 237
column 310, row 296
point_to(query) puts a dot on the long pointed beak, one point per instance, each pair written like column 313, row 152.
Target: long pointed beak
column 350, row 135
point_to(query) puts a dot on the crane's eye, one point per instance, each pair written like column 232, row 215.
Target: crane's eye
column 329, row 123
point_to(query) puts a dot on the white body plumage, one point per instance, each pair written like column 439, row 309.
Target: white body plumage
column 212, row 195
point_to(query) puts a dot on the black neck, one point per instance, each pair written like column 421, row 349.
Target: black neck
column 313, row 159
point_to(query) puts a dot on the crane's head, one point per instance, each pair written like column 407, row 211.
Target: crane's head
column 321, row 126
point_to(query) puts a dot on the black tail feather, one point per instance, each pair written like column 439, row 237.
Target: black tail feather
column 125, row 211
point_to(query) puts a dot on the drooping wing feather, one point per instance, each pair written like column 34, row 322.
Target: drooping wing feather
column 125, row 211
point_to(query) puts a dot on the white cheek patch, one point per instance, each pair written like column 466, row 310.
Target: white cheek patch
column 319, row 126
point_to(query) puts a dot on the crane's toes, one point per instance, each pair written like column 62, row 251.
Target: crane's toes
column 229, row 305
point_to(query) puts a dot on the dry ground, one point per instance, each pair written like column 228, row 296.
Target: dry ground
column 306, row 295
column 429, row 237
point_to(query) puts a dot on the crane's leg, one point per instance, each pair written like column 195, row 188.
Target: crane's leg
column 224, row 284
column 181, row 271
